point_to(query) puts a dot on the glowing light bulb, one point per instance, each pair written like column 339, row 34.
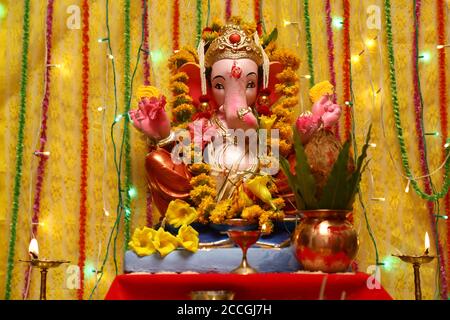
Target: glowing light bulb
column 156, row 55
column 425, row 56
column 100, row 108
column 370, row 43
column 286, row 23
column 356, row 58
column 373, row 145
column 118, row 118
column 442, row 46
column 306, row 76
column 106, row 212
column 132, row 192
column 379, row 199
column 3, row 11
column 337, row 22
column 434, row 134
column 447, row 145
column 110, row 56
column 100, row 40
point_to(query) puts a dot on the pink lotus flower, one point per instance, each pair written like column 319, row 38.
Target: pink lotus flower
column 307, row 124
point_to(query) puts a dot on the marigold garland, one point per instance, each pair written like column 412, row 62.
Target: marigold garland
column 19, row 148
column 228, row 6
column 145, row 62
column 330, row 44
column 257, row 13
column 84, row 143
column 176, row 25
column 309, row 49
column 43, row 135
column 441, row 22
column 126, row 129
column 346, row 69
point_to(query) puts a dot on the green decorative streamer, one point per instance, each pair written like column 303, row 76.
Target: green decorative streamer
column 126, row 129
column 199, row 22
column 308, row 41
column 435, row 196
column 19, row 148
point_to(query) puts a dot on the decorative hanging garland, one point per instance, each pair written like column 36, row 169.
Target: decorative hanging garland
column 228, row 5
column 441, row 20
column 346, row 66
column 40, row 174
column 434, row 196
column 330, row 44
column 84, row 143
column 146, row 63
column 126, row 129
column 198, row 25
column 176, row 25
column 309, row 50
column 146, row 72
column 19, row 148
column 257, row 16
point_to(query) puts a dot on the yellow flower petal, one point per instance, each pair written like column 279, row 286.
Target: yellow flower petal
column 142, row 241
column 165, row 242
column 320, row 89
column 188, row 237
column 180, row 212
column 148, row 92
column 258, row 186
column 267, row 122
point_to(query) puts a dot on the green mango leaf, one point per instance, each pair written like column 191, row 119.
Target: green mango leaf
column 355, row 179
column 335, row 191
column 271, row 37
column 293, row 183
column 306, row 182
column 353, row 186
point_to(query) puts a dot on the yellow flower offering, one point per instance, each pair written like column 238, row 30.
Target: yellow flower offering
column 142, row 241
column 148, row 92
column 179, row 213
column 258, row 186
column 267, row 122
column 165, row 242
column 188, row 238
column 319, row 90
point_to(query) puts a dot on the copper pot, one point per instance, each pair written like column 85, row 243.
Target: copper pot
column 325, row 241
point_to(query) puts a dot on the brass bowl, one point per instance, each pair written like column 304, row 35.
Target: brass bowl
column 212, row 295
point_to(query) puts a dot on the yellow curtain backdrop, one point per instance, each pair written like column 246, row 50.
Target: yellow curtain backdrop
column 399, row 223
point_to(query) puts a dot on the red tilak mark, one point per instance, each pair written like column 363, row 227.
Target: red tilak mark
column 236, row 72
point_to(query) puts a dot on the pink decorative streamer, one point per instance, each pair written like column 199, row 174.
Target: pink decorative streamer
column 146, row 72
column 227, row 10
column 330, row 44
column 418, row 108
column 43, row 136
column 145, row 44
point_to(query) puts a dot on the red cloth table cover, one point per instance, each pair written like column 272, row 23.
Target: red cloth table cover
column 270, row 286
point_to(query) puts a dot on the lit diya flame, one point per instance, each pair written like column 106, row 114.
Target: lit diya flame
column 427, row 243
column 33, row 249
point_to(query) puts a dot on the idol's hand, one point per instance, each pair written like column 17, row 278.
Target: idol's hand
column 151, row 118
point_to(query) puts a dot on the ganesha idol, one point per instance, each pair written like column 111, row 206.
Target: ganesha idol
column 233, row 114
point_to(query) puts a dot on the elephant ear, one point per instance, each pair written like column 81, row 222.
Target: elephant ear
column 194, row 82
column 274, row 69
